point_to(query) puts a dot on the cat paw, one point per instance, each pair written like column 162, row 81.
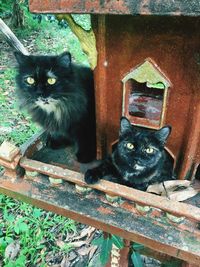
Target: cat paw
column 91, row 176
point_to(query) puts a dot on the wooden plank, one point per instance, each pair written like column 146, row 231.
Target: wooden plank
column 94, row 210
column 174, row 207
column 133, row 7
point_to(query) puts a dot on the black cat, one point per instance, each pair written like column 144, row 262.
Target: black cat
column 59, row 96
column 138, row 160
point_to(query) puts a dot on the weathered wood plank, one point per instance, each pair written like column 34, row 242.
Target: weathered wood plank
column 94, row 210
column 132, row 7
column 174, row 207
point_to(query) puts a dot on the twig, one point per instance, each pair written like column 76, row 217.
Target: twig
column 11, row 39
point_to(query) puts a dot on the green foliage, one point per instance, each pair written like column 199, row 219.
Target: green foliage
column 135, row 256
column 83, row 20
column 105, row 245
column 5, row 6
column 34, row 229
column 136, row 259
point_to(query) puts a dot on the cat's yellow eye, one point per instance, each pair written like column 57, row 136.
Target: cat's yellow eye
column 30, row 80
column 130, row 146
column 149, row 150
column 51, row 81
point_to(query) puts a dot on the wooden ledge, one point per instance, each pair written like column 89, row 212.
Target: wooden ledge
column 93, row 209
column 147, row 199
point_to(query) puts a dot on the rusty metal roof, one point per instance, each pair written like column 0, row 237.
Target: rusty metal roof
column 131, row 7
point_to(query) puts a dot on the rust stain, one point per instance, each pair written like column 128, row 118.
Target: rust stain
column 129, row 206
column 105, row 210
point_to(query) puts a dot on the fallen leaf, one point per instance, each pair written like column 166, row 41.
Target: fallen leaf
column 178, row 190
column 77, row 244
column 84, row 251
column 85, row 232
column 72, row 255
column 65, row 262
column 183, row 195
column 92, row 251
column 169, row 186
column 60, row 243
column 12, row 250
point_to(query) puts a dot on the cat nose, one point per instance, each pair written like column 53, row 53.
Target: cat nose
column 136, row 162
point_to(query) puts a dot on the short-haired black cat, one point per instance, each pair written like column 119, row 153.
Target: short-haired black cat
column 138, row 160
column 59, row 96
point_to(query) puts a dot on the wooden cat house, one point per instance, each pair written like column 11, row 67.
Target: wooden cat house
column 147, row 69
column 146, row 60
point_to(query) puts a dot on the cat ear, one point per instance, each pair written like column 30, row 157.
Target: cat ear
column 64, row 59
column 21, row 58
column 163, row 134
column 125, row 125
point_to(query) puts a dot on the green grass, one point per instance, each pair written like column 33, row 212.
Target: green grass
column 35, row 230
column 15, row 125
column 38, row 233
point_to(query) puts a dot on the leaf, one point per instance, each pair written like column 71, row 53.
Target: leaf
column 20, row 227
column 183, row 195
column 170, row 185
column 65, row 262
column 178, row 190
column 37, row 213
column 136, row 259
column 84, row 250
column 105, row 250
column 92, row 251
column 137, row 246
column 10, row 218
column 23, row 227
column 3, row 245
column 77, row 244
column 21, row 260
column 60, row 243
column 98, row 242
column 85, row 232
column 117, row 241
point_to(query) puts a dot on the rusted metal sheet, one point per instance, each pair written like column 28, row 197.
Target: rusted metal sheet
column 133, row 7
column 87, row 209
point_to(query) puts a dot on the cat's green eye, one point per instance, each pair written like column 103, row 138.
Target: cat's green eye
column 51, row 81
column 30, row 80
column 149, row 150
column 130, row 146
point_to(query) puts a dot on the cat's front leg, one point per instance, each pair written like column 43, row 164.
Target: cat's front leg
column 105, row 168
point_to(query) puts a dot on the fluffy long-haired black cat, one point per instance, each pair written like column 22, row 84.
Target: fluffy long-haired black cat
column 138, row 160
column 59, row 96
